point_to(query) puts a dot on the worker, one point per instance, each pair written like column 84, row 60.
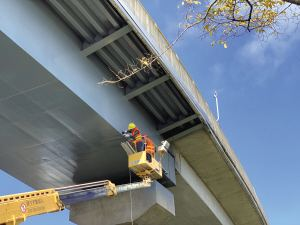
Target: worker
column 139, row 141
column 136, row 138
column 150, row 148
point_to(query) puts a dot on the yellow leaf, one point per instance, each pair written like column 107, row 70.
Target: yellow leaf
column 206, row 27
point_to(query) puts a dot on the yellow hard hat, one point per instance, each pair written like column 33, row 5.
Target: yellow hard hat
column 131, row 126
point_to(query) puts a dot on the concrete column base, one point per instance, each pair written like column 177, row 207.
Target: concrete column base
column 150, row 206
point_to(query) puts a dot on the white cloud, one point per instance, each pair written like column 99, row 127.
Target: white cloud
column 267, row 56
column 217, row 72
column 272, row 51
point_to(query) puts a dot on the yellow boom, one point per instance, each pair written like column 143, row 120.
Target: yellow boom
column 14, row 209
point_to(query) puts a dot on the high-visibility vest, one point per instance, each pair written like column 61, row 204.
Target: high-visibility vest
column 150, row 147
column 136, row 134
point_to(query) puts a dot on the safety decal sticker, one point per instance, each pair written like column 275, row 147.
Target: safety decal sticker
column 23, row 208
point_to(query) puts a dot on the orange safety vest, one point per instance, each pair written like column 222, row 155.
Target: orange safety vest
column 150, row 147
column 136, row 134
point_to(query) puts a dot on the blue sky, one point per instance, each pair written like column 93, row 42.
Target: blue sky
column 258, row 85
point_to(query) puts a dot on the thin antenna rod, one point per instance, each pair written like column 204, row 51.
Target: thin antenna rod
column 217, row 105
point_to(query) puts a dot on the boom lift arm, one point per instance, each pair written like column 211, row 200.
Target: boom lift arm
column 14, row 209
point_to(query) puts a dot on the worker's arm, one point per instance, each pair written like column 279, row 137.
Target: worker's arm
column 136, row 133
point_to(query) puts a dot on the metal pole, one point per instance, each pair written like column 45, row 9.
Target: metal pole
column 217, row 105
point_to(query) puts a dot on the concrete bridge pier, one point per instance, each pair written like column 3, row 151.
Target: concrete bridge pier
column 150, row 206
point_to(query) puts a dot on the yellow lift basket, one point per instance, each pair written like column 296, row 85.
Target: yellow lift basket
column 138, row 163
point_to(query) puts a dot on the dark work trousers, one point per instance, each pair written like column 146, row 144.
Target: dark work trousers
column 149, row 157
column 140, row 146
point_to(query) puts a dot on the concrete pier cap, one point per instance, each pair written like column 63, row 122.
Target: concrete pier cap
column 150, row 206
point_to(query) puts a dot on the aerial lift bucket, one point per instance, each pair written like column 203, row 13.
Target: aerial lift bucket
column 139, row 163
column 142, row 167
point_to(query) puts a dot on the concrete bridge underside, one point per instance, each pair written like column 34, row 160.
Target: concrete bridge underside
column 50, row 134
column 51, row 138
column 59, row 127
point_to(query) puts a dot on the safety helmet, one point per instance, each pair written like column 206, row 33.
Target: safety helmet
column 131, row 126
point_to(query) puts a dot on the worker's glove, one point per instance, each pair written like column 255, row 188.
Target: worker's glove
column 126, row 134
